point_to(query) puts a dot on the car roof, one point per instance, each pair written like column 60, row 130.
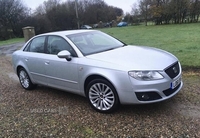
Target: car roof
column 68, row 32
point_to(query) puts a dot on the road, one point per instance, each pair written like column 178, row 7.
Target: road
column 9, row 49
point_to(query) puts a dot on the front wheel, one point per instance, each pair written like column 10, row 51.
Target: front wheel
column 25, row 80
column 102, row 96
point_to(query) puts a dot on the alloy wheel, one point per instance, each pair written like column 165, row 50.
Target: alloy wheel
column 24, row 79
column 101, row 96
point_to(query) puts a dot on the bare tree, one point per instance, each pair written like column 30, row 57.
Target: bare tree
column 194, row 10
column 144, row 6
column 135, row 14
column 161, row 11
column 180, row 8
column 12, row 14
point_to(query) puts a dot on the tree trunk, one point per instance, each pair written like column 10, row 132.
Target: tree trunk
column 146, row 15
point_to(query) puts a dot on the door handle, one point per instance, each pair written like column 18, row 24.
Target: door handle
column 26, row 59
column 46, row 62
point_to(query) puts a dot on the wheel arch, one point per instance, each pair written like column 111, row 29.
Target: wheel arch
column 23, row 67
column 18, row 68
column 93, row 77
column 118, row 79
column 20, row 64
column 27, row 84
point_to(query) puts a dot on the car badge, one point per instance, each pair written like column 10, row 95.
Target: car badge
column 175, row 70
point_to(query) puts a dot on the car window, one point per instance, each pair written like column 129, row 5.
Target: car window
column 94, row 42
column 36, row 45
column 79, row 40
column 56, row 44
column 100, row 40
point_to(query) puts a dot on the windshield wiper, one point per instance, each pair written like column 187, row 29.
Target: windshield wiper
column 112, row 48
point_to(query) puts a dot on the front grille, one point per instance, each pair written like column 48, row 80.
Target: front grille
column 171, row 91
column 173, row 70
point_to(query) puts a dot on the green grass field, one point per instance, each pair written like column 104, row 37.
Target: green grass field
column 183, row 40
column 11, row 41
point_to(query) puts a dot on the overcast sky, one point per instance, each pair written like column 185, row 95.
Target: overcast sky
column 123, row 4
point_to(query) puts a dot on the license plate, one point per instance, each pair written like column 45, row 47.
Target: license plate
column 175, row 83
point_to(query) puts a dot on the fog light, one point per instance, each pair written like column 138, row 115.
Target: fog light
column 148, row 96
column 145, row 96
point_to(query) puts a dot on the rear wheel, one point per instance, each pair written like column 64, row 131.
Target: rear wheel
column 25, row 80
column 102, row 96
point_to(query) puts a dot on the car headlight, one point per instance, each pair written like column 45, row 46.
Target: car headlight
column 145, row 75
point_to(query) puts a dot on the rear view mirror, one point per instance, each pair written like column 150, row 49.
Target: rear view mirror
column 65, row 54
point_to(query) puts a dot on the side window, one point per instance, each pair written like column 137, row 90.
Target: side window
column 56, row 44
column 36, row 45
column 27, row 47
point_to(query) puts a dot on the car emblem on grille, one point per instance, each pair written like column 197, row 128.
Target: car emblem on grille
column 175, row 70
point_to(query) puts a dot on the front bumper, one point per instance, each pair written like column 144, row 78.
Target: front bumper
column 144, row 92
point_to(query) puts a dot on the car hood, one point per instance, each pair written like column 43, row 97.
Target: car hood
column 136, row 58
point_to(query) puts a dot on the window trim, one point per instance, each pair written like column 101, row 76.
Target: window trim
column 47, row 38
column 30, row 42
column 27, row 47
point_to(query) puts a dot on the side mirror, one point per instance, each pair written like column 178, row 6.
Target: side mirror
column 65, row 54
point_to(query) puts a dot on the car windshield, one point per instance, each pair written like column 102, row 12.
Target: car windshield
column 94, row 42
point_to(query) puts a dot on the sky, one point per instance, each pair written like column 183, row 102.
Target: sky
column 125, row 5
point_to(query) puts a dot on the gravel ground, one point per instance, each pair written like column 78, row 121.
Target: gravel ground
column 46, row 112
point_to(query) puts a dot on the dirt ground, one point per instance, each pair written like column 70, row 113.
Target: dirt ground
column 46, row 112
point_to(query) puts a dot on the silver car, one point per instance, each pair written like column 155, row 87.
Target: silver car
column 95, row 65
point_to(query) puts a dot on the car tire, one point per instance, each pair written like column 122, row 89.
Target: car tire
column 102, row 96
column 25, row 80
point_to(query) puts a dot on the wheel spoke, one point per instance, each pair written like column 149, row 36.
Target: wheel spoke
column 94, row 97
column 98, row 103
column 99, row 87
column 94, row 92
column 96, row 88
column 101, row 105
column 106, row 105
column 109, row 93
column 107, row 100
column 95, row 101
column 107, row 89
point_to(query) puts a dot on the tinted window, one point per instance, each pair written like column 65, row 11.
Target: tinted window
column 57, row 44
column 36, row 45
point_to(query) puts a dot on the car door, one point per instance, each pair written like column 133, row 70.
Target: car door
column 61, row 73
column 34, row 58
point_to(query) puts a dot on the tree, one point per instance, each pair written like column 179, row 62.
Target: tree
column 12, row 14
column 118, row 11
column 161, row 11
column 144, row 6
column 135, row 12
column 180, row 8
column 61, row 16
column 194, row 10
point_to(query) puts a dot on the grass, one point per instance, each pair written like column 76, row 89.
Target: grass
column 181, row 40
column 11, row 41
